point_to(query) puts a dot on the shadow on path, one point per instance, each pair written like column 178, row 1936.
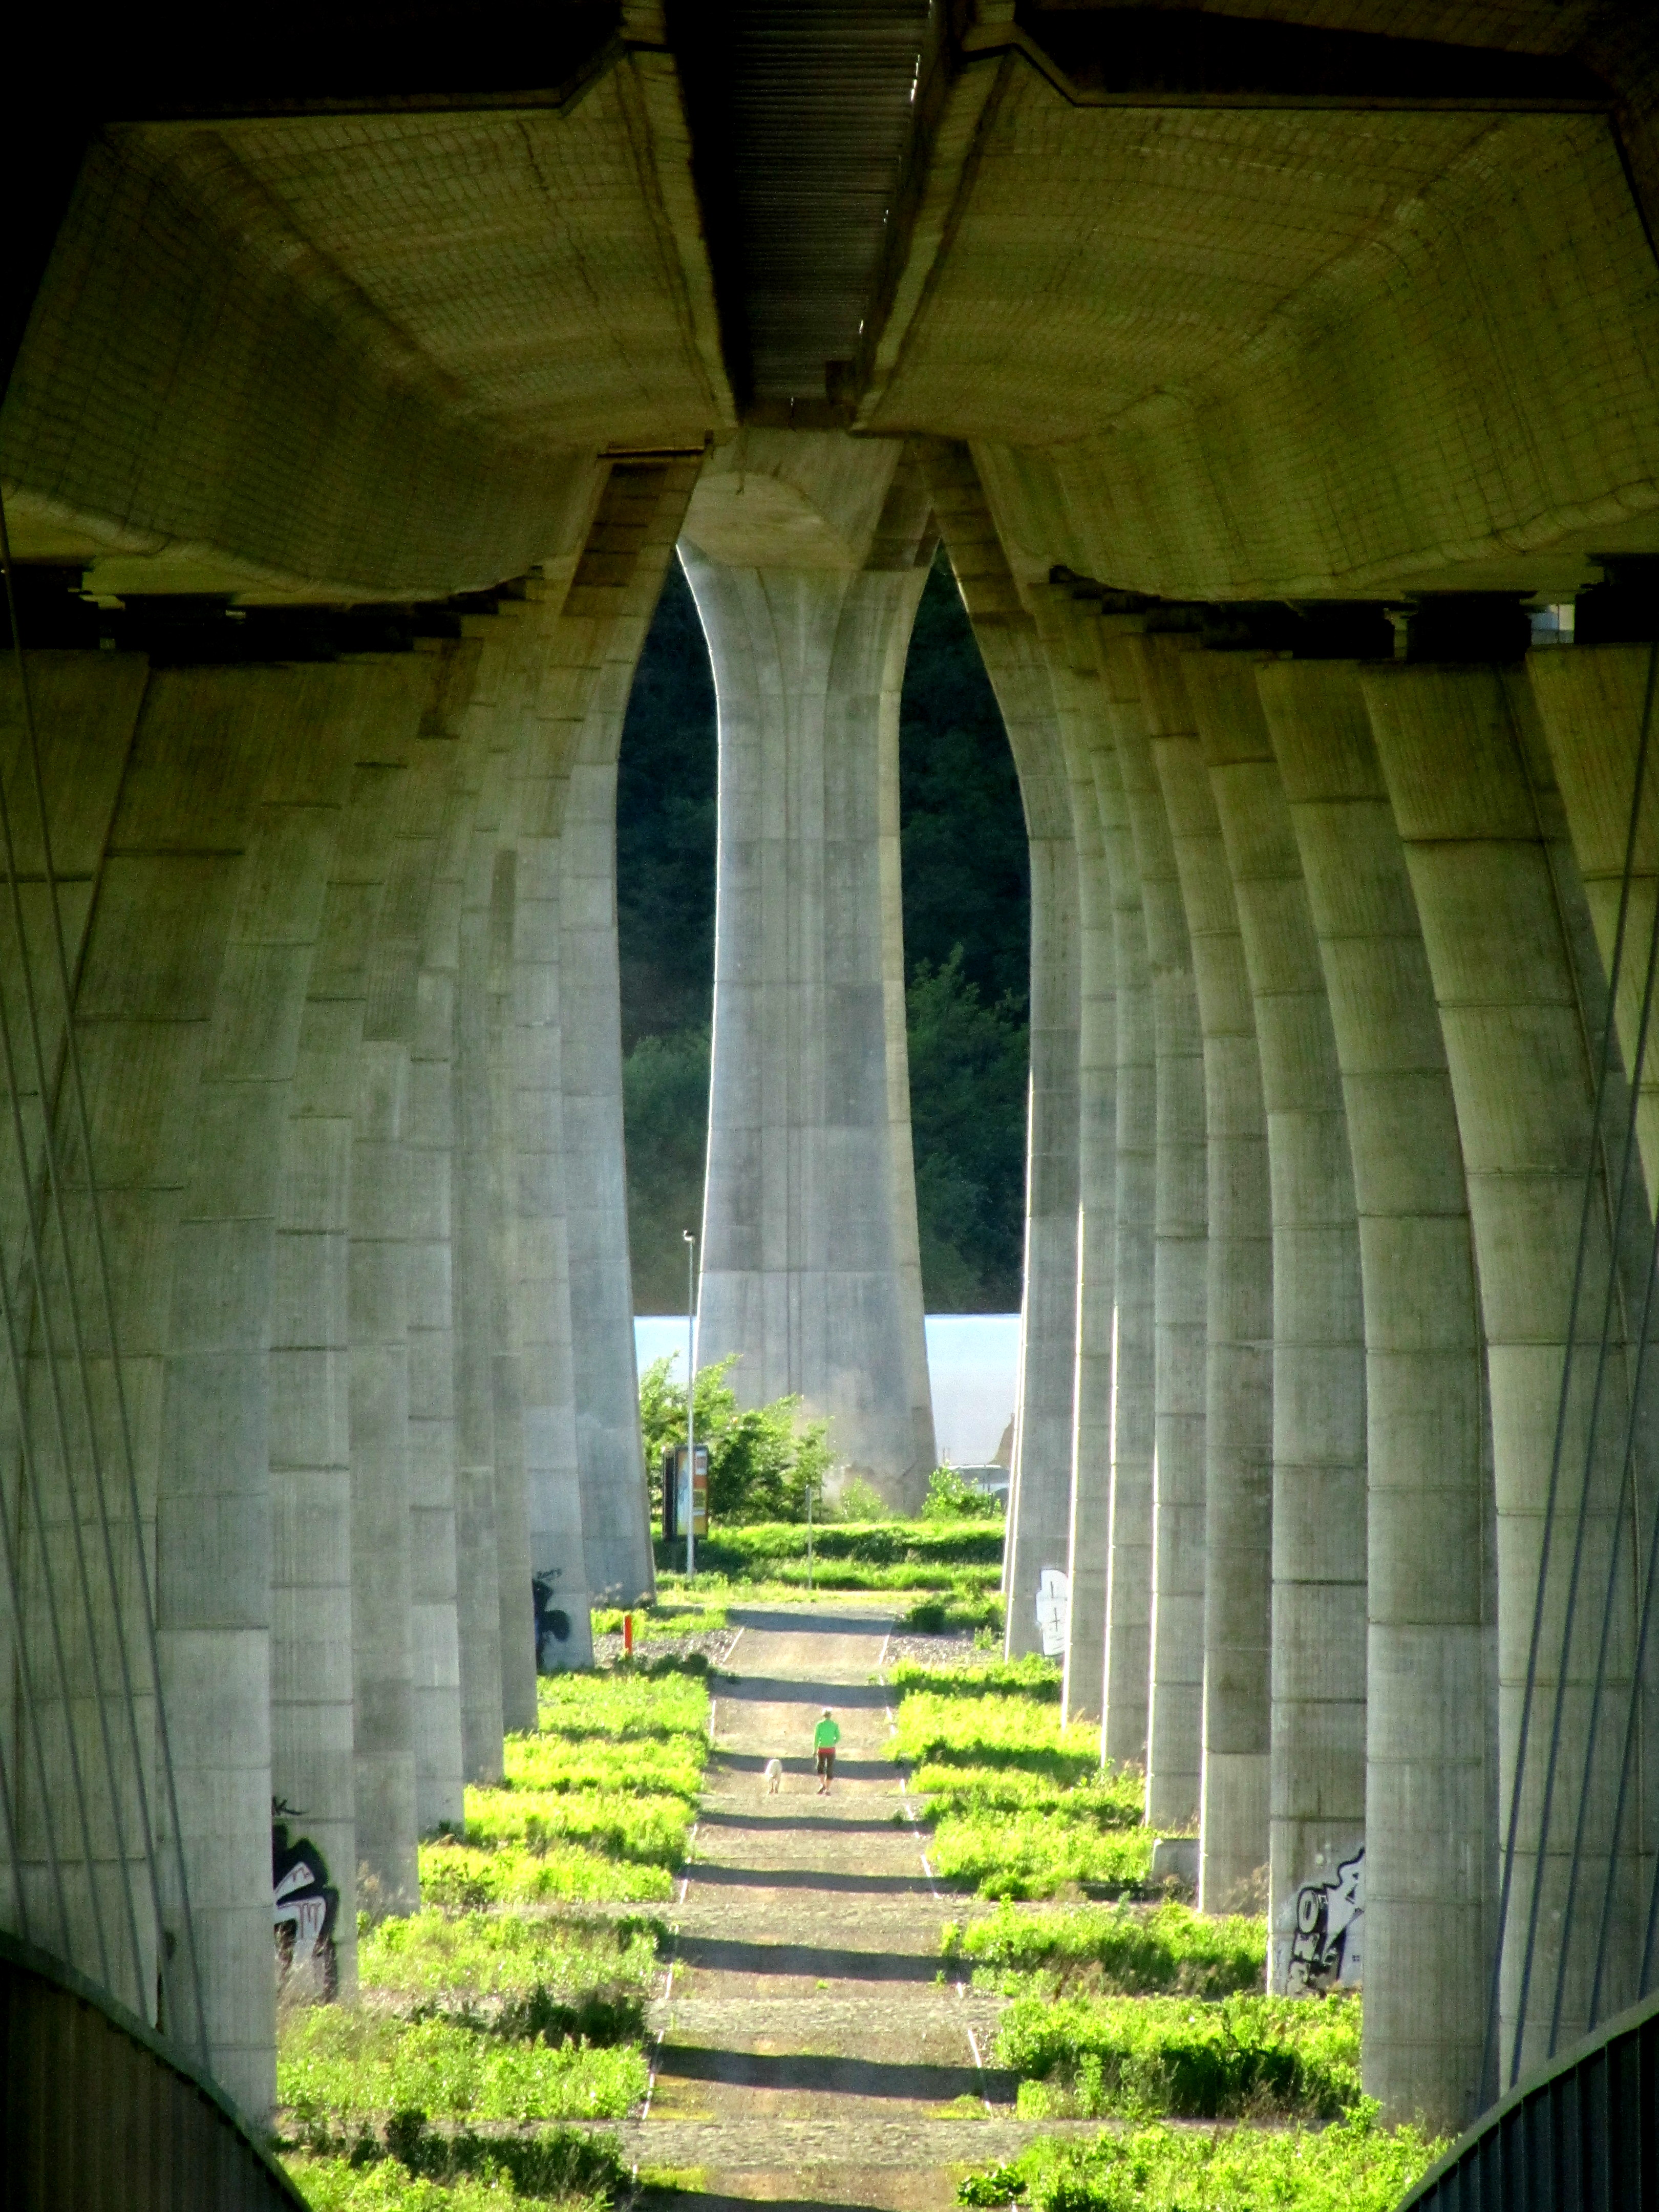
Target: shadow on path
column 730, row 1955
column 833, row 2076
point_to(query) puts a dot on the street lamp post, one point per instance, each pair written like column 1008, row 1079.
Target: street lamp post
column 691, row 1403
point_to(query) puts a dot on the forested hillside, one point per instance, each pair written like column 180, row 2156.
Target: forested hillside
column 966, row 933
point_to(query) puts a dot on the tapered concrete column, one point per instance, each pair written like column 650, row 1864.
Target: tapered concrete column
column 1066, row 629
column 593, row 651
column 1591, row 700
column 312, row 1691
column 1129, row 1582
column 807, row 560
column 1427, row 1828
column 1318, row 1432
column 507, row 1191
column 481, row 1595
column 447, row 734
column 1239, row 1597
column 189, row 1012
column 1040, row 1508
column 86, row 710
column 1466, row 786
column 1175, row 1719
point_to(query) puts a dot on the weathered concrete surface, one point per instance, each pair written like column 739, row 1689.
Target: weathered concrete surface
column 1239, row 1392
column 1422, row 1668
column 1176, row 1695
column 1318, row 1434
column 1469, row 782
column 1067, row 633
column 807, row 560
column 1039, row 1513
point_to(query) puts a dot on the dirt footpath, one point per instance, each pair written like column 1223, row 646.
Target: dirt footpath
column 812, row 2052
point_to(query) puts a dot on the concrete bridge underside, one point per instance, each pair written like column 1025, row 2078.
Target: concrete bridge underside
column 1263, row 371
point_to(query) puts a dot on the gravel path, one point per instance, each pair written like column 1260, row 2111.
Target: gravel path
column 809, row 2054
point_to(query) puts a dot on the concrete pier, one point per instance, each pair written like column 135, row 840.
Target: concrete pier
column 1039, row 1513
column 1176, row 1710
column 807, row 561
column 1239, row 1420
column 1404, row 1705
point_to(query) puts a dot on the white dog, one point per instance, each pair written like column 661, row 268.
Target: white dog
column 773, row 1776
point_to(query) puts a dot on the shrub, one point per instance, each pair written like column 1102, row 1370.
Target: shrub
column 950, row 1498
column 1021, row 1807
column 1116, row 1950
column 411, row 2167
column 760, row 1458
column 1151, row 2057
column 339, row 2064
column 432, row 1958
column 944, row 1616
column 1352, row 2166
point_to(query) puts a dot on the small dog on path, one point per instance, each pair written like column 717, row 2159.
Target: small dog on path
column 773, row 1776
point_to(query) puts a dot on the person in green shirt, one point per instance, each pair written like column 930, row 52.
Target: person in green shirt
column 825, row 1737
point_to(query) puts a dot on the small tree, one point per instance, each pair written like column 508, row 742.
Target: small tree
column 950, row 1498
column 760, row 1459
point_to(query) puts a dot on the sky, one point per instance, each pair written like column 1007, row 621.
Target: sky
column 972, row 1361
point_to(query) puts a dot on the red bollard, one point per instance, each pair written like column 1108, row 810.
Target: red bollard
column 628, row 1636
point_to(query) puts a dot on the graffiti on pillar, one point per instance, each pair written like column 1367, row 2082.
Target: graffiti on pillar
column 552, row 1628
column 305, row 1905
column 1325, row 1937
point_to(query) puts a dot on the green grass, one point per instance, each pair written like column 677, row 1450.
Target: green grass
column 965, row 1555
column 482, row 1960
column 1352, row 2166
column 410, row 2167
column 340, row 2066
column 1020, row 1806
column 483, row 2010
column 653, row 1624
column 1115, row 1950
column 1154, row 2057
column 985, row 1614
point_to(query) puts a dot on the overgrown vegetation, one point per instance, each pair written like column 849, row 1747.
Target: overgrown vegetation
column 1354, row 2165
column 966, row 933
column 1113, row 1950
column 962, row 1557
column 492, row 2005
column 761, row 1459
column 1153, row 2058
column 1021, row 1807
column 950, row 1498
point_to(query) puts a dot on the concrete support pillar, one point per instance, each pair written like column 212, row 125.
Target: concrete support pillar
column 86, row 710
column 446, row 733
column 1129, row 1582
column 1066, row 629
column 1471, row 792
column 1318, row 1432
column 189, row 1012
column 593, row 651
column 1040, row 1508
column 483, row 1623
column 1590, row 700
column 807, row 559
column 1239, row 1596
column 1174, row 1719
column 312, row 1696
column 1427, row 1826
